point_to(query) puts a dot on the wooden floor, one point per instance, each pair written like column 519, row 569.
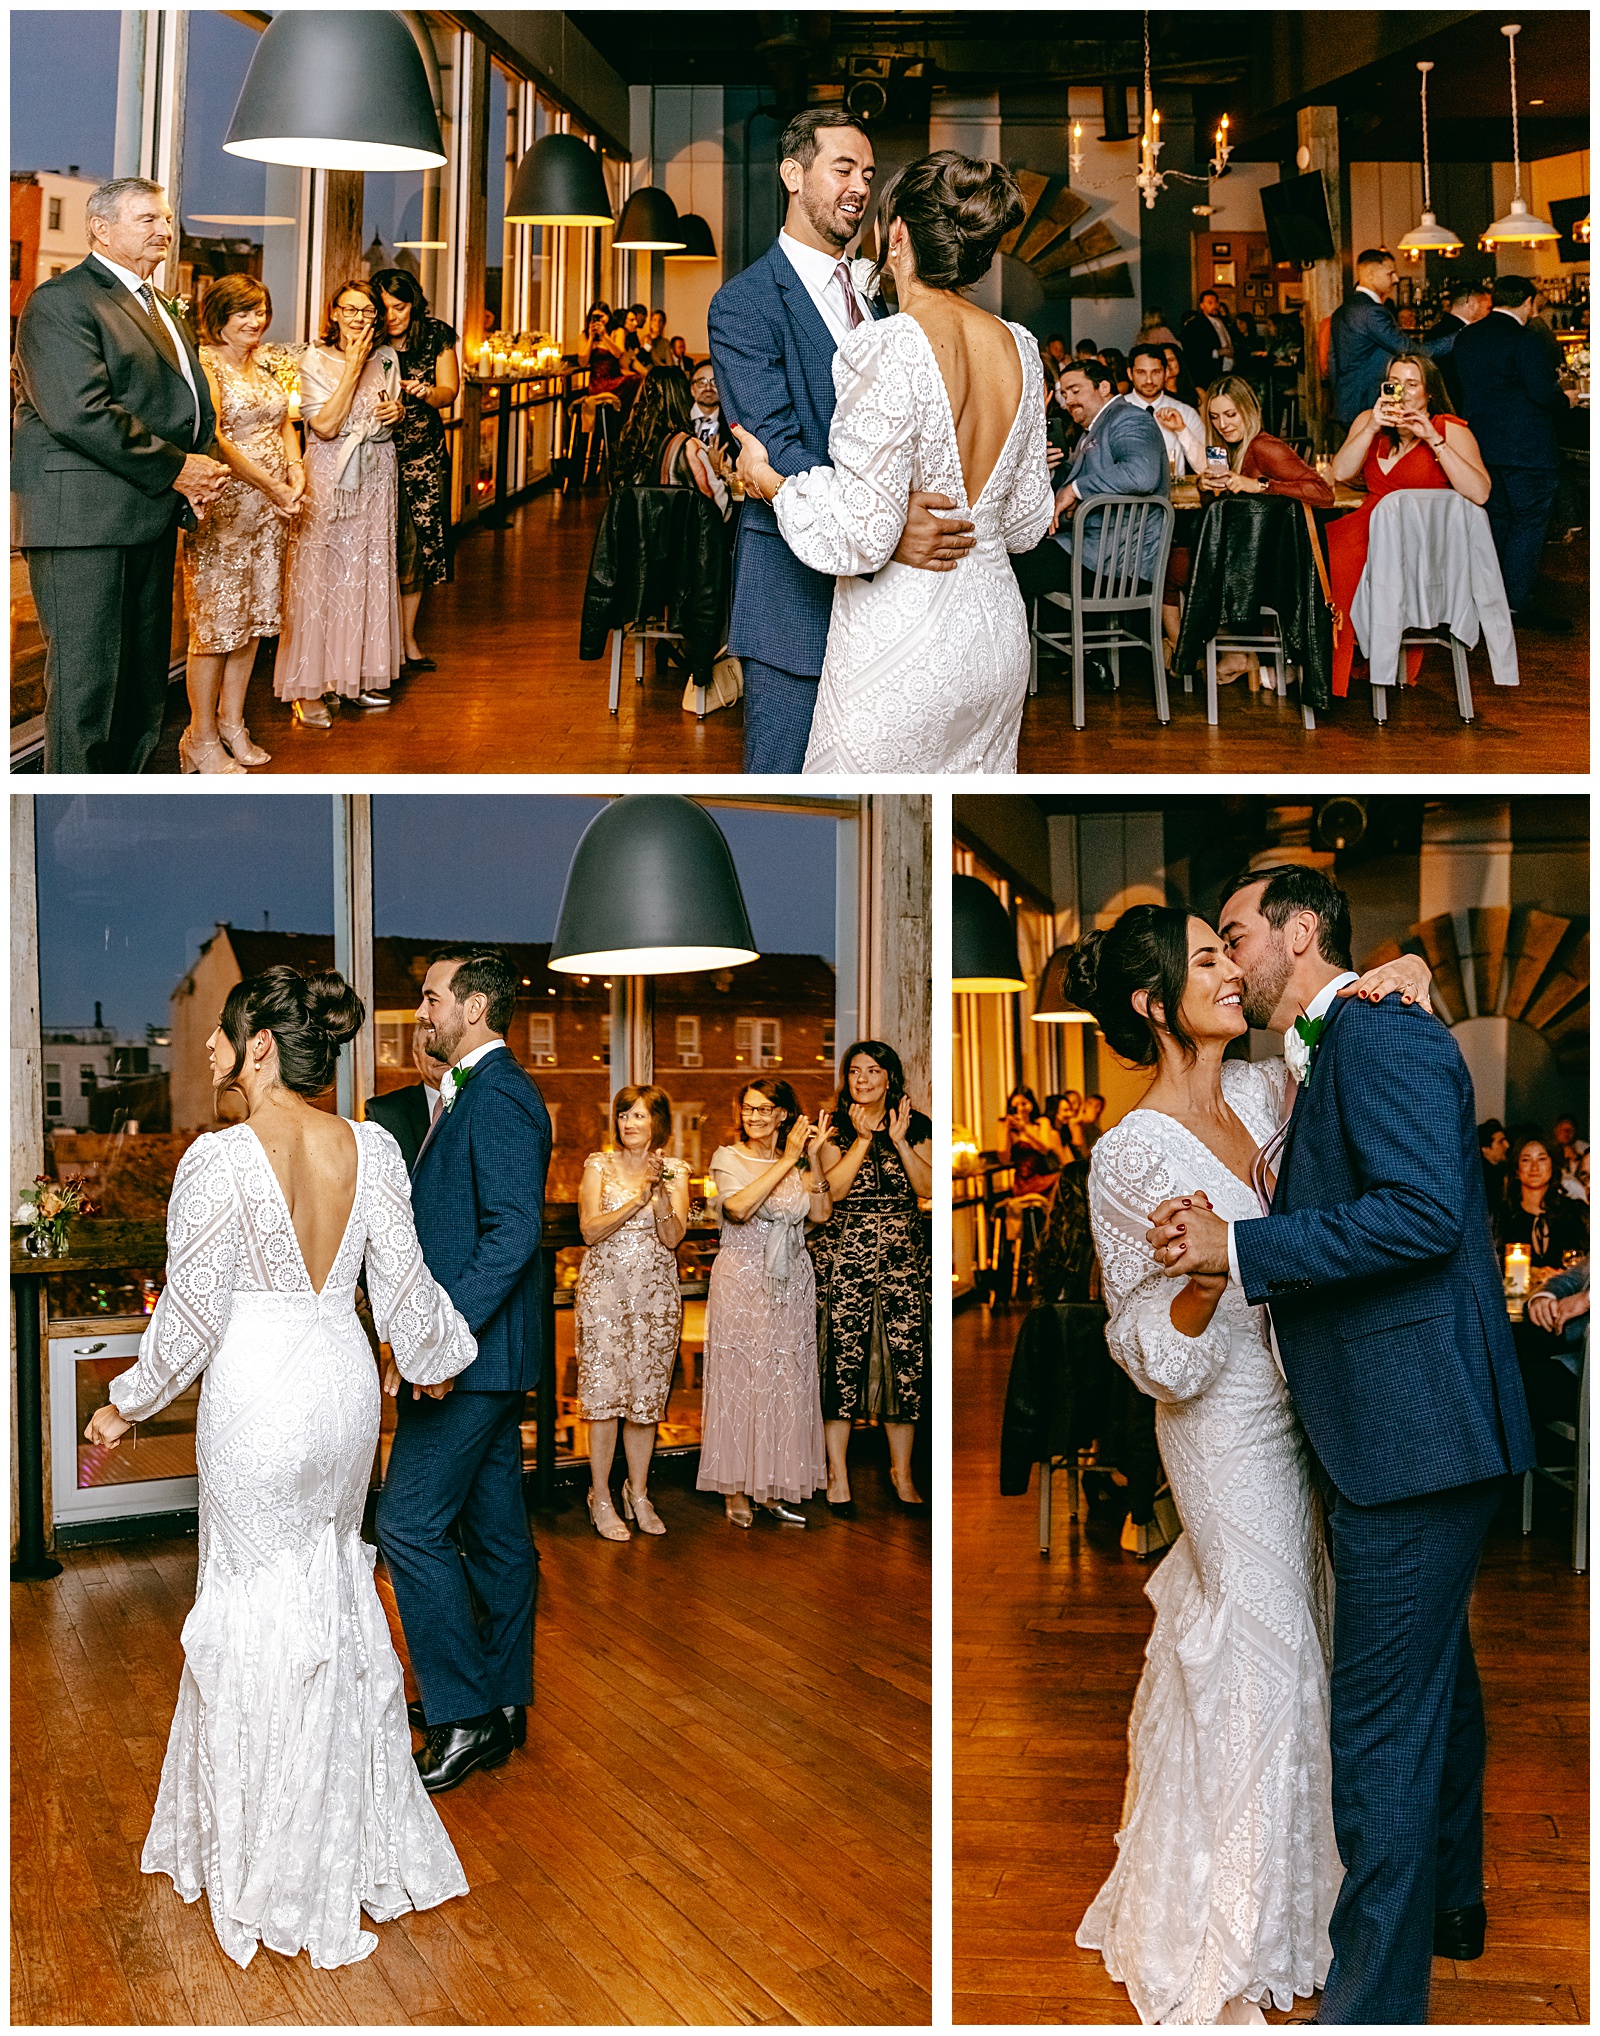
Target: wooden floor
column 1046, row 1658
column 511, row 694
column 722, row 1813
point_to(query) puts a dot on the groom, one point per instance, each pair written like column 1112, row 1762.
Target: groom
column 774, row 331
column 1377, row 1264
column 477, row 1191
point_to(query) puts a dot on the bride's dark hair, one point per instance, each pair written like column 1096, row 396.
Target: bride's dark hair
column 956, row 211
column 1147, row 949
column 310, row 1018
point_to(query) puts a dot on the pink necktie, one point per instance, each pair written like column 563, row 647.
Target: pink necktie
column 853, row 313
column 1266, row 1161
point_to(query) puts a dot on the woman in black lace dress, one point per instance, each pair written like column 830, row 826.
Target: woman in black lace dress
column 873, row 1299
column 430, row 381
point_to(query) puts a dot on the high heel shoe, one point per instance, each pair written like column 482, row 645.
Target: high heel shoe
column 207, row 758
column 312, row 714
column 612, row 1531
column 236, row 741
column 744, row 1519
column 782, row 1514
column 636, row 1507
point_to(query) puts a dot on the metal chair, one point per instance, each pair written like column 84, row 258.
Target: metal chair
column 1270, row 642
column 1113, row 586
column 1413, row 639
column 1573, row 1479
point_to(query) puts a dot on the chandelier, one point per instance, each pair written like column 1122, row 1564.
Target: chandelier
column 1149, row 180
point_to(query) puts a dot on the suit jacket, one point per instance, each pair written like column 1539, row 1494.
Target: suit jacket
column 1509, row 392
column 1202, row 354
column 105, row 419
column 1363, row 337
column 1378, row 1265
column 1449, row 327
column 1121, row 453
column 477, row 1191
column 403, row 1113
column 774, row 360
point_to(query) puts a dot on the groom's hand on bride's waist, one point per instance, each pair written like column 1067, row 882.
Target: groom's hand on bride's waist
column 934, row 544
column 1188, row 1238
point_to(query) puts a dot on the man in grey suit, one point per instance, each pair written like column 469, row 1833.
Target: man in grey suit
column 1121, row 452
column 108, row 457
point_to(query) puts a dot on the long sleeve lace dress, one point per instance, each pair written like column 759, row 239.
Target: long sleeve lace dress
column 288, row 1795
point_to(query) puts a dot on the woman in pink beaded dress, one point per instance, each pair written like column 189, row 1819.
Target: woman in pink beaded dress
column 341, row 632
column 761, row 1418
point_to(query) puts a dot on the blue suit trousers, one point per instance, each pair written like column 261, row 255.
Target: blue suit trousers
column 778, row 707
column 1520, row 502
column 1408, row 1742
column 466, row 1605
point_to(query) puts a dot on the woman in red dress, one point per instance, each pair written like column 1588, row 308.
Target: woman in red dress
column 1412, row 443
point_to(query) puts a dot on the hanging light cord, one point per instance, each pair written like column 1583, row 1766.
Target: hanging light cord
column 1516, row 140
column 1427, row 189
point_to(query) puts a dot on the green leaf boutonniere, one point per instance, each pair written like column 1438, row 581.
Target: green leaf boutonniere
column 450, row 1092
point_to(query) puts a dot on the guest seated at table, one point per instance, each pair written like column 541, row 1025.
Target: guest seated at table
column 659, row 448
column 1180, row 382
column 1117, row 362
column 1533, row 1211
column 1258, row 463
column 1495, row 1147
column 1550, row 1344
column 1184, row 438
column 1573, row 1150
column 601, row 353
column 709, row 424
column 1412, row 442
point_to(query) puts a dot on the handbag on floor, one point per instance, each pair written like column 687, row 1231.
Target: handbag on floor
column 727, row 685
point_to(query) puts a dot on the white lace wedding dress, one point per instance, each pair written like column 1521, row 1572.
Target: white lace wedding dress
column 924, row 671
column 1227, row 1869
column 288, row 1795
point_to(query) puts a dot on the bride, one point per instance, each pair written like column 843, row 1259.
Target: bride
column 289, row 1795
column 1227, row 1869
column 925, row 671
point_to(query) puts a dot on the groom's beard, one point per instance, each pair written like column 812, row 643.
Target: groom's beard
column 442, row 1039
column 1259, row 993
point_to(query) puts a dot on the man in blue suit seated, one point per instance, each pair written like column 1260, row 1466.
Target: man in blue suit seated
column 774, row 331
column 477, row 1189
column 1507, row 368
column 1121, row 452
column 1377, row 1264
column 1364, row 335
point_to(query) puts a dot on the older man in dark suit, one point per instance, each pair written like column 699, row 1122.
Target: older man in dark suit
column 407, row 1114
column 109, row 455
column 477, row 1190
column 774, row 331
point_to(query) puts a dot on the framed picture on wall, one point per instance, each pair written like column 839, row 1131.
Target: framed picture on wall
column 1222, row 274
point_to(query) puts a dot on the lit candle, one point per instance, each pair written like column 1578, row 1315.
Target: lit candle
column 1518, row 1262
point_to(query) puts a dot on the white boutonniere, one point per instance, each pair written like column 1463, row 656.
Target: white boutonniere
column 865, row 280
column 452, row 1085
column 1300, row 1045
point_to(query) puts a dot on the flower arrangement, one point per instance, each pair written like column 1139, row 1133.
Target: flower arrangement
column 47, row 1208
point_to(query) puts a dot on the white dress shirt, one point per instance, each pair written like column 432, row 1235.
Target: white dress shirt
column 133, row 283
column 478, row 1053
column 1319, row 1007
column 705, row 423
column 1187, row 446
column 819, row 271
column 1224, row 342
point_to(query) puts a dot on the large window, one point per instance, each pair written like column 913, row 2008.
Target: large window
column 63, row 137
column 227, row 204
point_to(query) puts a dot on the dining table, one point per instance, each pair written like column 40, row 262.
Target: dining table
column 1186, row 494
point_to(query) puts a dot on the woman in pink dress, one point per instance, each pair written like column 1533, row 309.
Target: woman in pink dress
column 1414, row 443
column 761, row 1420
column 341, row 630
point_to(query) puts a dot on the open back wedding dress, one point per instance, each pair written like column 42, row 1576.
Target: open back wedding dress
column 1227, row 1868
column 924, row 671
column 288, row 1795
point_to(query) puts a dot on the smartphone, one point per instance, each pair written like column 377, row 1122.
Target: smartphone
column 1216, row 459
column 1392, row 392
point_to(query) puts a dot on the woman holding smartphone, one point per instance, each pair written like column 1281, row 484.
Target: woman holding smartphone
column 1408, row 439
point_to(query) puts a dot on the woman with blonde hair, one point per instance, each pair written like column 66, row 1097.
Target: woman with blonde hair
column 633, row 1210
column 233, row 558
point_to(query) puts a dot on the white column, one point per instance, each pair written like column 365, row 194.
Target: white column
column 633, row 1017
column 352, row 941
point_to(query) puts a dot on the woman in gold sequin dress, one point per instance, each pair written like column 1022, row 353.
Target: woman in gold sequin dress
column 233, row 560
column 633, row 1209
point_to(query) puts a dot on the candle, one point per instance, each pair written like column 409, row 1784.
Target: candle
column 1518, row 1262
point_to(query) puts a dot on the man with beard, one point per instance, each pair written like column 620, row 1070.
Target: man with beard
column 774, row 331
column 477, row 1192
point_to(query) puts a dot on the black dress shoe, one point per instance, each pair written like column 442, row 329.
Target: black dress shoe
column 1458, row 1933
column 516, row 1716
column 451, row 1752
column 417, row 664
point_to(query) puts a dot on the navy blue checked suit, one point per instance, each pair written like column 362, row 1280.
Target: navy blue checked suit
column 1379, row 1268
column 1363, row 337
column 477, row 1192
column 774, row 360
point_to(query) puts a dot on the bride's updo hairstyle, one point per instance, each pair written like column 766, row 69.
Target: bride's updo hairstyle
column 310, row 1017
column 1147, row 949
column 956, row 211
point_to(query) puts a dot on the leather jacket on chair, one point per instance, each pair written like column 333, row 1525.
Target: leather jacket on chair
column 659, row 551
column 1255, row 551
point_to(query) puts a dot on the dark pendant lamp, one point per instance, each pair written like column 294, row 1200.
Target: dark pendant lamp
column 559, row 182
column 651, row 891
column 698, row 245
column 649, row 224
column 1053, row 1005
column 337, row 89
column 983, row 942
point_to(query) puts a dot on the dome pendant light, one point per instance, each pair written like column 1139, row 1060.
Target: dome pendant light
column 1429, row 237
column 1520, row 227
column 649, row 222
column 983, row 942
column 698, row 244
column 559, row 182
column 1052, row 1003
column 334, row 89
column 651, row 890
